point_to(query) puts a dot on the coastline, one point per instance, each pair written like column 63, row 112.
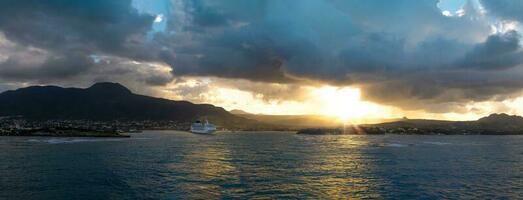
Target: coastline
column 402, row 131
column 86, row 136
column 65, row 133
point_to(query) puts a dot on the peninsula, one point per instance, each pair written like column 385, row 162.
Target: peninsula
column 494, row 124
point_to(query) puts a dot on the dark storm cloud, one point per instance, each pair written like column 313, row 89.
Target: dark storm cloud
column 423, row 94
column 324, row 40
column 52, row 68
column 158, row 80
column 458, row 86
column 238, row 53
column 61, row 25
column 497, row 52
column 60, row 38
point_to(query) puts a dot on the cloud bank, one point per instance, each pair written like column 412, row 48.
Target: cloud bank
column 402, row 53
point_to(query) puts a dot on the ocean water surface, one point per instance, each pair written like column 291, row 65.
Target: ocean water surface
column 181, row 165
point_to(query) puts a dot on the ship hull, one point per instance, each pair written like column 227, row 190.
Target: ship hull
column 200, row 127
column 202, row 131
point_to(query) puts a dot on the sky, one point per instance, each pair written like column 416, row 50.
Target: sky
column 353, row 59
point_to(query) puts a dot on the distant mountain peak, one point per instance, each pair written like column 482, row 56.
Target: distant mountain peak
column 109, row 88
column 501, row 117
column 238, row 112
column 106, row 101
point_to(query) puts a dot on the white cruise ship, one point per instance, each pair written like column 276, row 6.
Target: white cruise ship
column 202, row 127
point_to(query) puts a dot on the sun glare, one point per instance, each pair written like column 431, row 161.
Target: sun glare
column 344, row 103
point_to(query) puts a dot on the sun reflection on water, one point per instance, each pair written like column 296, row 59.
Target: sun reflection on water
column 343, row 169
column 205, row 168
column 282, row 167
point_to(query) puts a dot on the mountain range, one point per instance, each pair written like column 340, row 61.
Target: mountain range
column 106, row 101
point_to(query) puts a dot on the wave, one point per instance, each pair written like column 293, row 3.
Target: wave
column 437, row 143
column 395, row 145
column 79, row 140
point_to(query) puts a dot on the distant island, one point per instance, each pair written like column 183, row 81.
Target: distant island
column 495, row 124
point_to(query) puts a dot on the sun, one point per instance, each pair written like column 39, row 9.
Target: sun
column 343, row 103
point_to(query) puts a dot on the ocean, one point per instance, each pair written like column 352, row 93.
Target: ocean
column 251, row 165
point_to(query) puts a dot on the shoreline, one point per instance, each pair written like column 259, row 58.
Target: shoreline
column 83, row 136
column 68, row 134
